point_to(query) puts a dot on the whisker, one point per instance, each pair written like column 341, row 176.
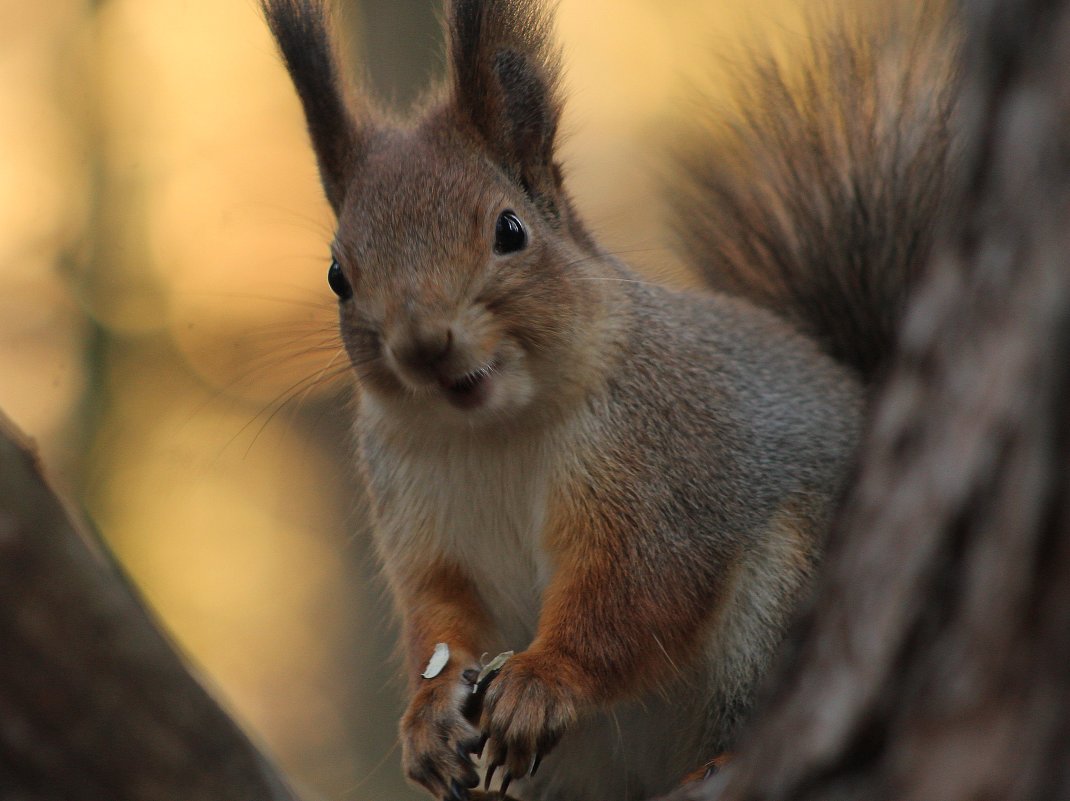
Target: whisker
column 298, row 388
column 324, row 304
column 264, row 362
column 228, row 388
column 370, row 774
column 619, row 280
column 283, row 215
column 312, row 385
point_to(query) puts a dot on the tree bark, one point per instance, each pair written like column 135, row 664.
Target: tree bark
column 95, row 703
column 935, row 660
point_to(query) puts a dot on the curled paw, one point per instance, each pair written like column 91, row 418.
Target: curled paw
column 438, row 742
column 526, row 709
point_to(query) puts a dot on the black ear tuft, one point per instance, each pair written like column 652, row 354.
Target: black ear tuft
column 505, row 72
column 302, row 30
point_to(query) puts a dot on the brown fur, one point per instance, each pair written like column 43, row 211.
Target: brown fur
column 505, row 75
column 593, row 542
column 440, row 605
column 819, row 195
column 627, row 486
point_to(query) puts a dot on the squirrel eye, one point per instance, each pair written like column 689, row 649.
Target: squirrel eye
column 509, row 233
column 338, row 282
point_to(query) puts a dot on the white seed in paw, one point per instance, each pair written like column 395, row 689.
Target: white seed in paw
column 439, row 659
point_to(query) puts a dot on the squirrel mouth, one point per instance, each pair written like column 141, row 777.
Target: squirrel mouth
column 470, row 390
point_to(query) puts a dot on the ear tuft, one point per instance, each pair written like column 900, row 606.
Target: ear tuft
column 505, row 72
column 302, row 30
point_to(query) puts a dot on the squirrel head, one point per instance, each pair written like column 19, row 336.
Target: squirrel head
column 463, row 272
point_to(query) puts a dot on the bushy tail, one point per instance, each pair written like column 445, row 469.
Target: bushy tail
column 817, row 194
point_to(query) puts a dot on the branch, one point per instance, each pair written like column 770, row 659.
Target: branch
column 95, row 703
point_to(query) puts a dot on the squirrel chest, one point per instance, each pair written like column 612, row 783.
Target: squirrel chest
column 467, row 500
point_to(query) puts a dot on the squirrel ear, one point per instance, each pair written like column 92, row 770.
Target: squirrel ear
column 302, row 30
column 505, row 73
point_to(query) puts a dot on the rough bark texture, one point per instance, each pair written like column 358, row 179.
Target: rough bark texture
column 935, row 661
column 95, row 704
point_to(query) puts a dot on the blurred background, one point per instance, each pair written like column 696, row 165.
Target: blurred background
column 167, row 334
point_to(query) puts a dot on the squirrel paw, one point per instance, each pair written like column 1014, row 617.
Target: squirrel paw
column 526, row 709
column 437, row 741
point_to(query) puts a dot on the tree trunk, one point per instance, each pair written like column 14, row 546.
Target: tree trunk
column 95, row 704
column 935, row 661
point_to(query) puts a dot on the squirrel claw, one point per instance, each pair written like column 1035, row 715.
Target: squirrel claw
column 457, row 792
column 535, row 762
column 482, row 684
column 507, row 779
column 497, row 763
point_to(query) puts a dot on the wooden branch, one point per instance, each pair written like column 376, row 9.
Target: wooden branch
column 95, row 703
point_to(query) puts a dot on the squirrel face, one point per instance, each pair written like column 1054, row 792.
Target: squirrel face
column 460, row 300
column 449, row 311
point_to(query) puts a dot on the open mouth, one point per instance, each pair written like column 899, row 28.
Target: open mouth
column 471, row 389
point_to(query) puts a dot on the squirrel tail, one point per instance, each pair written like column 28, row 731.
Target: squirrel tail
column 818, row 193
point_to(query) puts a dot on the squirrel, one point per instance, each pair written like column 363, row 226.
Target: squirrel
column 627, row 486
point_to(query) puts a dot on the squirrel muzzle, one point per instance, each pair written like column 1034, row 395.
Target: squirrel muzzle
column 443, row 357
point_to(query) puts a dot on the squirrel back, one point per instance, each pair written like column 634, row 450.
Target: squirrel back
column 818, row 193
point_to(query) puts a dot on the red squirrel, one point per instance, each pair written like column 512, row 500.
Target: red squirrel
column 625, row 485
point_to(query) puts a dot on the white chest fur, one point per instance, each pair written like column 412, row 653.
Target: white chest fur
column 467, row 500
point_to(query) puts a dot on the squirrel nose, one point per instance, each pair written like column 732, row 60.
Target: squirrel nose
column 423, row 348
